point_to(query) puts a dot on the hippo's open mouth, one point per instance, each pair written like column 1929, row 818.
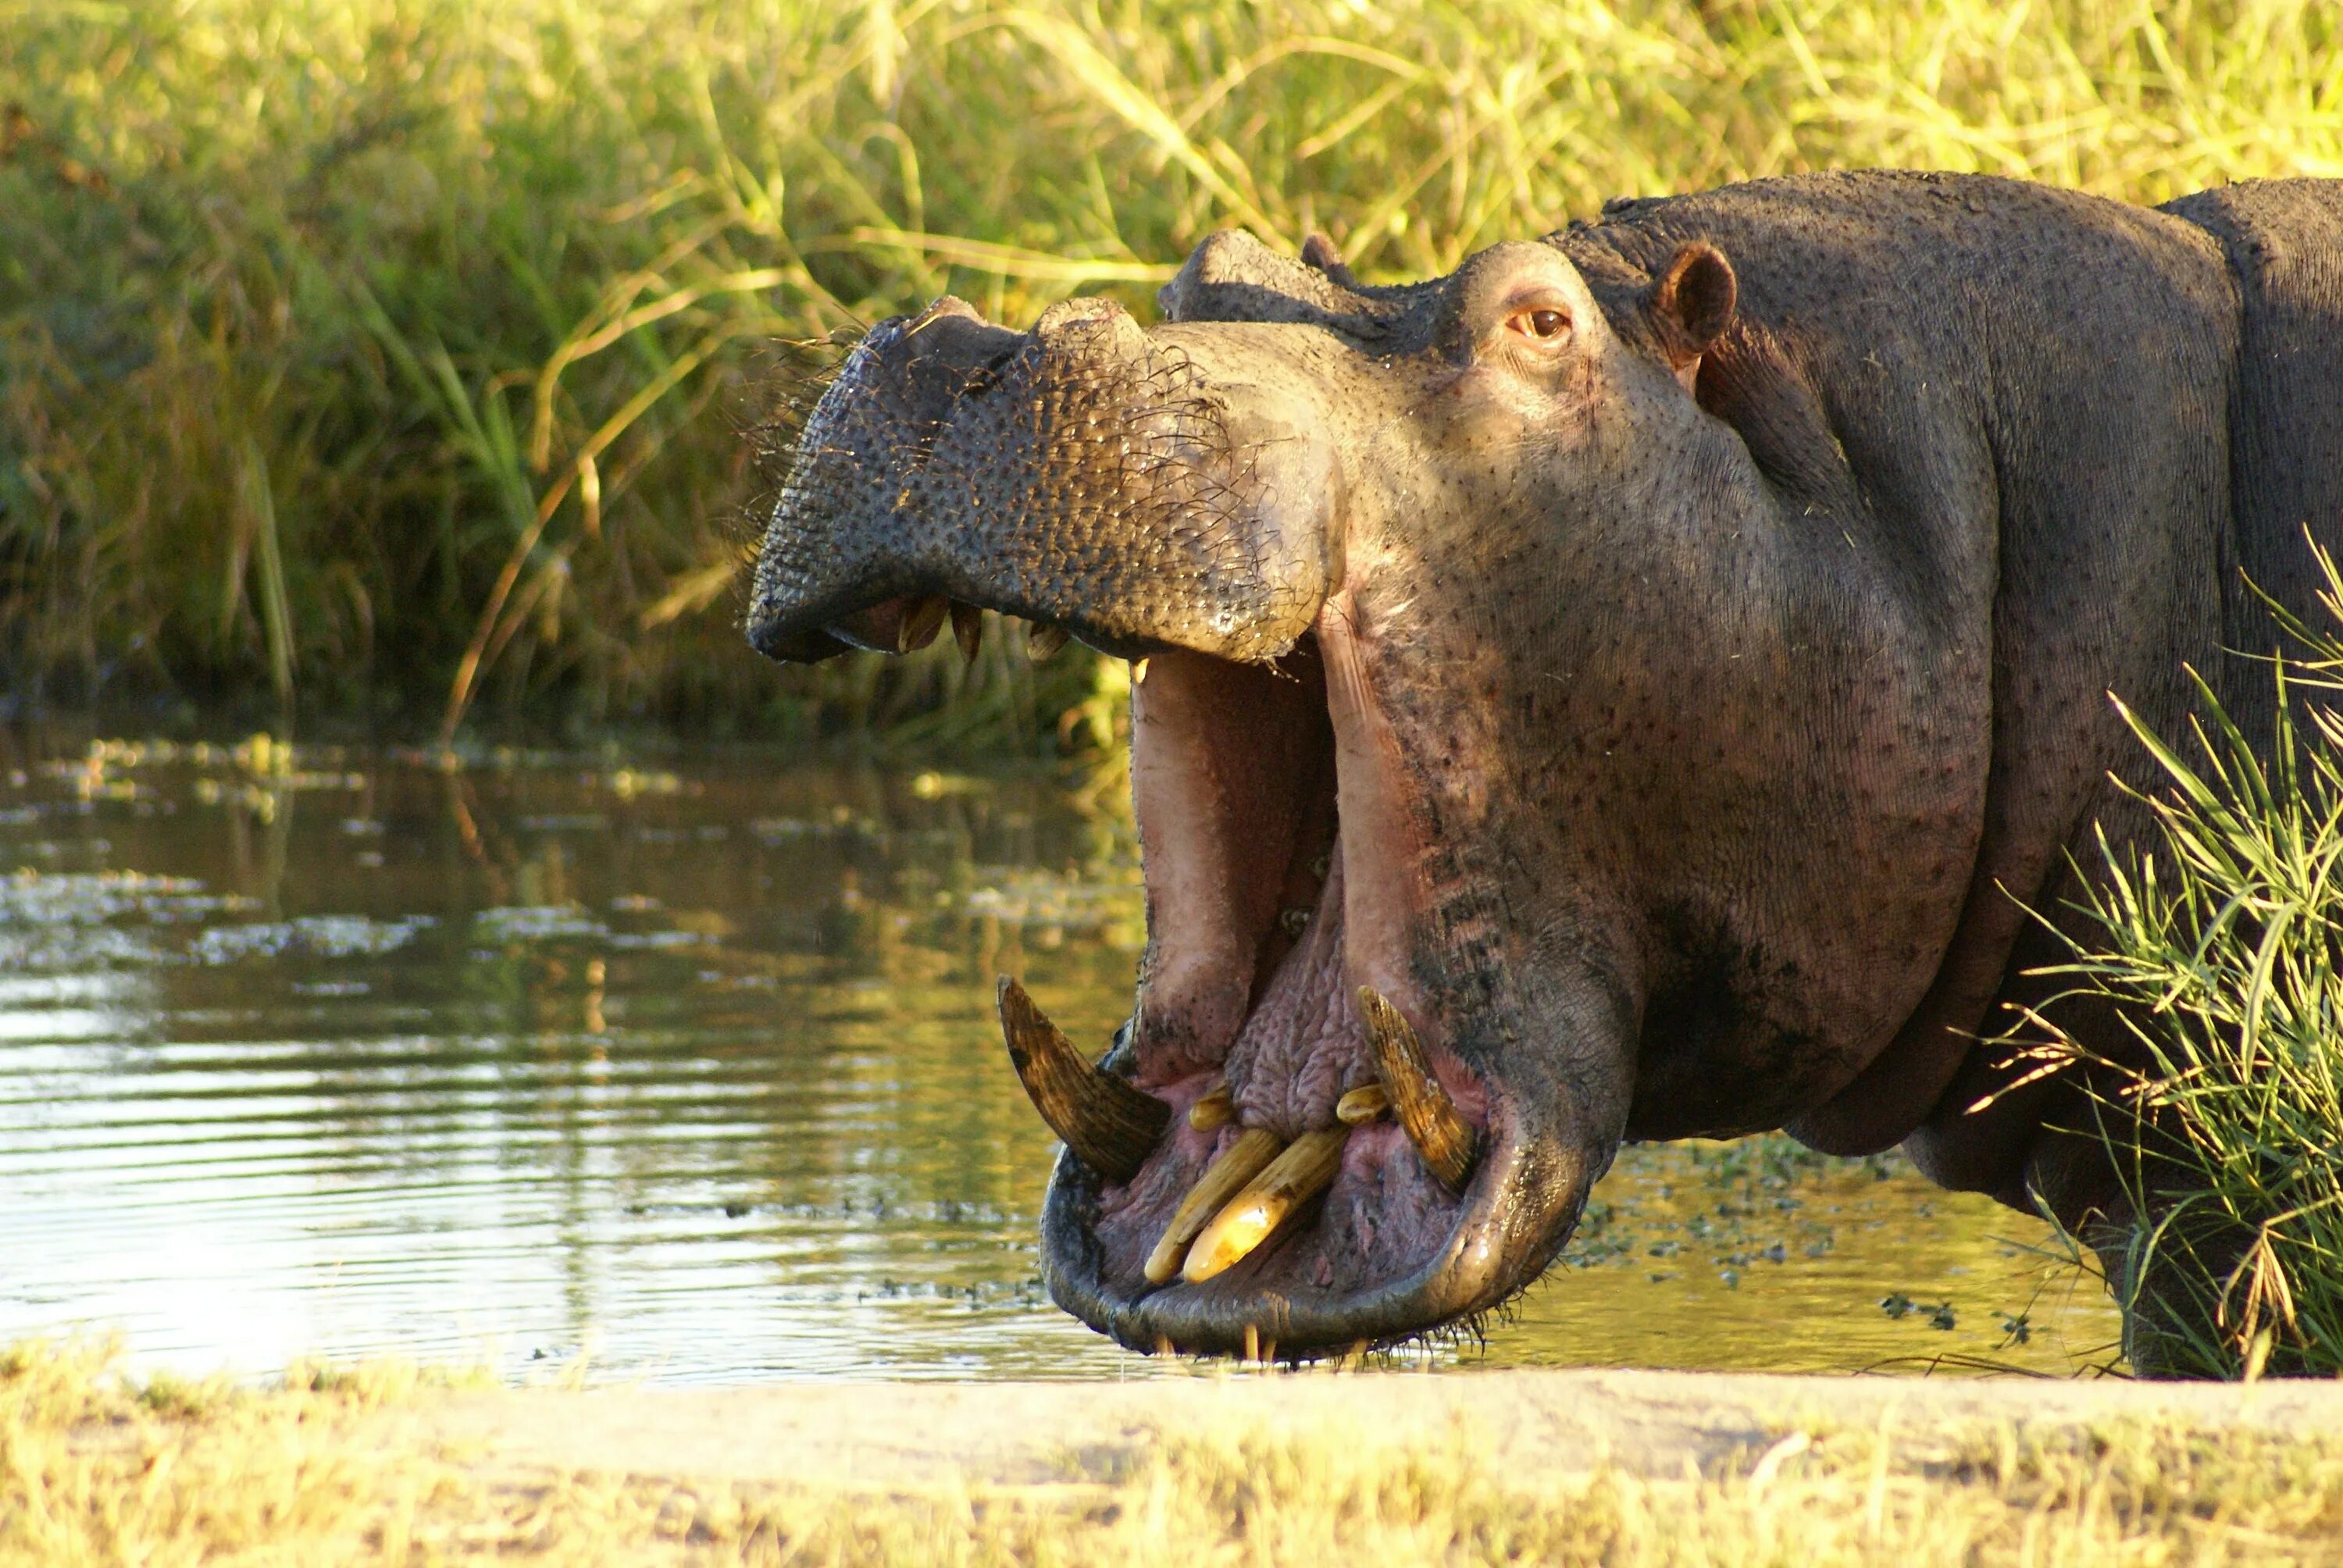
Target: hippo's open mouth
column 1320, row 1179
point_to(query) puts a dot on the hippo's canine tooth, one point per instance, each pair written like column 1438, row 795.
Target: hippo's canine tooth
column 1362, row 1105
column 1304, row 1169
column 968, row 629
column 1448, row 1142
column 1043, row 639
column 1215, row 1110
column 922, row 618
column 1238, row 1163
column 1110, row 1126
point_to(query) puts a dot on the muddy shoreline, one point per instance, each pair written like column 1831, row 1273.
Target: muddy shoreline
column 1542, row 1427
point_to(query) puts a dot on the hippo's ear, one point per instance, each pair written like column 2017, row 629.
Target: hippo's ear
column 1690, row 306
column 1318, row 251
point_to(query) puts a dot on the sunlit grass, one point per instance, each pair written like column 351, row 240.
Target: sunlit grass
column 341, row 1470
column 389, row 354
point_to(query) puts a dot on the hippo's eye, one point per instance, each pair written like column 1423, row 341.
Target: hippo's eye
column 1540, row 324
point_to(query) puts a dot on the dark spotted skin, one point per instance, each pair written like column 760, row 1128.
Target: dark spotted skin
column 1748, row 649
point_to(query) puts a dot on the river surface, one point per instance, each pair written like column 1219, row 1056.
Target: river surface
column 685, row 1068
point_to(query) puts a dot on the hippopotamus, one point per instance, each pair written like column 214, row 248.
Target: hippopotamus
column 1640, row 685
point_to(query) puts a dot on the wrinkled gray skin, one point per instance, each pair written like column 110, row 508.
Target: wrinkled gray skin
column 1704, row 676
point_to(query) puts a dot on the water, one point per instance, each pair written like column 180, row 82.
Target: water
column 688, row 1069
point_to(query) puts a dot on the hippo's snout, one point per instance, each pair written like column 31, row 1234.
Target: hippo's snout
column 1081, row 475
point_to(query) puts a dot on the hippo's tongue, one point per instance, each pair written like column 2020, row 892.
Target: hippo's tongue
column 1304, row 1045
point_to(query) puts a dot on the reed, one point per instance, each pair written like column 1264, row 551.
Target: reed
column 390, row 356
column 2221, row 947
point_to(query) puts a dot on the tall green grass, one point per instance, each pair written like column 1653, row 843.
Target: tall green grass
column 388, row 358
column 2221, row 949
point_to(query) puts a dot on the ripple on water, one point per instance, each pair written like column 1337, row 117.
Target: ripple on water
column 694, row 1069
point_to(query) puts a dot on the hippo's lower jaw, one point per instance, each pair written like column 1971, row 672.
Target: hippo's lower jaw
column 1282, row 869
column 1276, row 1302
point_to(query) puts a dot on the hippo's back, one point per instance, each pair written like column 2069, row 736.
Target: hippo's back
column 2283, row 241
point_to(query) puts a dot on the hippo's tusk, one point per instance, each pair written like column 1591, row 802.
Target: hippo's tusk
column 1362, row 1105
column 968, row 629
column 1215, row 1110
column 1226, row 1176
column 1110, row 1126
column 1448, row 1142
column 1306, row 1168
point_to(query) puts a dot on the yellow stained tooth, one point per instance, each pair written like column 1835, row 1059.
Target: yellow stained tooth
column 1111, row 1124
column 1419, row 1103
column 1306, row 1168
column 922, row 618
column 1362, row 1105
column 968, row 629
column 1238, row 1163
column 1043, row 639
column 1216, row 1109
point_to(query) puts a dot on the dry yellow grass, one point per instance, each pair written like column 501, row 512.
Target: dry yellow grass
column 332, row 1469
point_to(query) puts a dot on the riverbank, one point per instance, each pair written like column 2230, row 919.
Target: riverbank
column 379, row 1465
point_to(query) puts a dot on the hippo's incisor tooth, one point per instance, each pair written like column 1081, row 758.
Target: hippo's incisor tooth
column 922, row 618
column 1110, row 1126
column 968, row 629
column 1448, row 1142
column 1043, row 639
column 1215, row 1110
column 1238, row 1163
column 1304, row 1169
column 1362, row 1105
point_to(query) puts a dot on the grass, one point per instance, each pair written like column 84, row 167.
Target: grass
column 328, row 1470
column 2221, row 947
column 386, row 359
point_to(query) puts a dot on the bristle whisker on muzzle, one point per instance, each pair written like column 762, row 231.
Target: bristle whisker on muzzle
column 803, row 370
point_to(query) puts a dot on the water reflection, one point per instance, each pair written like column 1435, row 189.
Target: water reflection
column 692, row 1066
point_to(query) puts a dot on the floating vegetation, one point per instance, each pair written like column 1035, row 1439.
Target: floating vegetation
column 309, row 937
